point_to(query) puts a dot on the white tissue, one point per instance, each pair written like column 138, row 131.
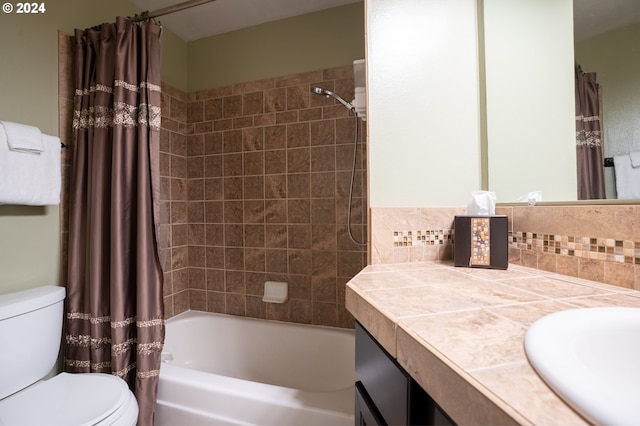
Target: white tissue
column 530, row 198
column 482, row 203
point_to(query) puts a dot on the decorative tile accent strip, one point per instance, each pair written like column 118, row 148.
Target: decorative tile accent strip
column 607, row 249
column 413, row 238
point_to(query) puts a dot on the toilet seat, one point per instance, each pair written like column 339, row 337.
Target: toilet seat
column 72, row 399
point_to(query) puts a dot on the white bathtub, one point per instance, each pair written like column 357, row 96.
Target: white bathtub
column 226, row 370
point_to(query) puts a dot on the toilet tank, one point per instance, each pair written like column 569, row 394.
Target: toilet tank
column 30, row 333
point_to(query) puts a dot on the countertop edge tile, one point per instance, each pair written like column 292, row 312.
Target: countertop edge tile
column 487, row 395
column 456, row 392
column 377, row 323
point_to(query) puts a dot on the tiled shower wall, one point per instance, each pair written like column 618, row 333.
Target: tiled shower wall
column 255, row 184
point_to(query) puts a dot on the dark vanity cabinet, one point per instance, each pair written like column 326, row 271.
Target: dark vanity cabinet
column 385, row 393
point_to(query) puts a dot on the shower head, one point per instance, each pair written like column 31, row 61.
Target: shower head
column 328, row 93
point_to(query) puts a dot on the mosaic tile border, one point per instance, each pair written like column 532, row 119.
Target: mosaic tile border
column 606, row 249
column 429, row 237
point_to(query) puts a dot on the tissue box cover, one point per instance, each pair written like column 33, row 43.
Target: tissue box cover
column 481, row 242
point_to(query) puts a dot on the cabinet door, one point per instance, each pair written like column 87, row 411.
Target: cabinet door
column 385, row 393
column 366, row 411
column 385, row 382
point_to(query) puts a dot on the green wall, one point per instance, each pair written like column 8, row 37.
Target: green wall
column 174, row 60
column 29, row 236
column 329, row 38
column 29, row 46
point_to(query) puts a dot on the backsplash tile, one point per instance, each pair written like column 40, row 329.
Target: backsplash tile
column 422, row 237
column 594, row 242
column 412, row 234
column 607, row 249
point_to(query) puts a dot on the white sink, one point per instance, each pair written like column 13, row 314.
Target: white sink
column 591, row 358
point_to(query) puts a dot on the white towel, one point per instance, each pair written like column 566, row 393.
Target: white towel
column 635, row 158
column 30, row 179
column 23, row 138
column 627, row 178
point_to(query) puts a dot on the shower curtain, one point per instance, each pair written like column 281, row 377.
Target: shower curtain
column 114, row 312
column 588, row 137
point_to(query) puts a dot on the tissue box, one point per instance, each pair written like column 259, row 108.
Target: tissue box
column 481, row 242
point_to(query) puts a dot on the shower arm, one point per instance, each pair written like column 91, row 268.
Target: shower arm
column 328, row 93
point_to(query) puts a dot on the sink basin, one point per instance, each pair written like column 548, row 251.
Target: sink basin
column 591, row 358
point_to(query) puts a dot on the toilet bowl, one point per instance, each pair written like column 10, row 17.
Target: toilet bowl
column 27, row 320
column 72, row 399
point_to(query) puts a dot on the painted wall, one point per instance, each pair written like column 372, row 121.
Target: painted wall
column 423, row 100
column 320, row 40
column 530, row 98
column 29, row 236
column 29, row 46
column 174, row 60
column 615, row 57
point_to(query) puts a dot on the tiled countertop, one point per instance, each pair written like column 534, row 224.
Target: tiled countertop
column 459, row 332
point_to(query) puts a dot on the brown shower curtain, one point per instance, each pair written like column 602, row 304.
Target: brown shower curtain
column 588, row 137
column 114, row 313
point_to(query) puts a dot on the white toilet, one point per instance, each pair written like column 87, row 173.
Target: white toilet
column 30, row 333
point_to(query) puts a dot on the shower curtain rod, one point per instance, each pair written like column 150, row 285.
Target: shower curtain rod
column 169, row 9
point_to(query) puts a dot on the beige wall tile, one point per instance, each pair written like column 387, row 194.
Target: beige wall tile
column 593, row 242
column 620, row 274
column 387, row 223
column 250, row 200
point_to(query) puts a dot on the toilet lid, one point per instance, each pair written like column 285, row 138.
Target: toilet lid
column 66, row 399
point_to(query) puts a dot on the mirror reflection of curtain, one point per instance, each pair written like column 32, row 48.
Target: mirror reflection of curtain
column 589, row 137
column 114, row 316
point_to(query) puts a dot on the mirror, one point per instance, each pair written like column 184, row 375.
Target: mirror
column 529, row 57
column 530, row 103
column 606, row 38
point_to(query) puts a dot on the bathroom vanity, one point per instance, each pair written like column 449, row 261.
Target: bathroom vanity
column 385, row 393
column 455, row 338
